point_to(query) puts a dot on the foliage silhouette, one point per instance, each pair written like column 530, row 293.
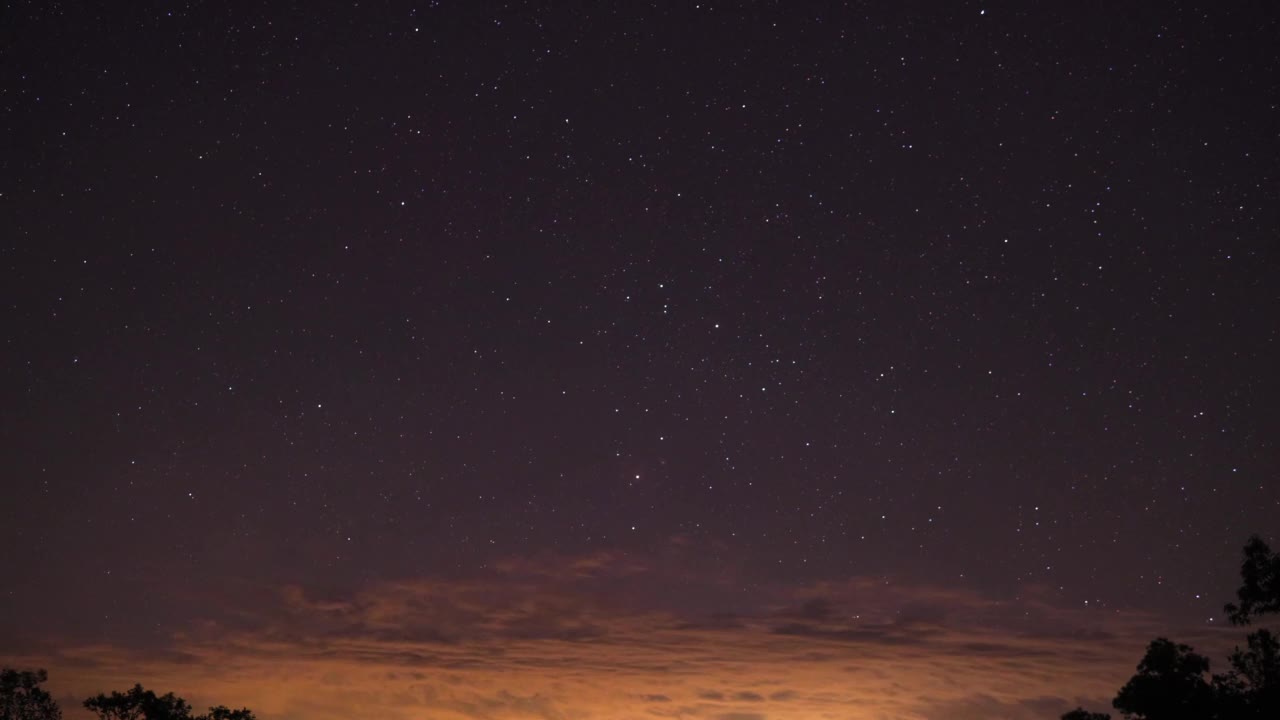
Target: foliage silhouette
column 22, row 698
column 1082, row 714
column 222, row 712
column 1172, row 683
column 1259, row 591
column 1251, row 690
column 140, row 704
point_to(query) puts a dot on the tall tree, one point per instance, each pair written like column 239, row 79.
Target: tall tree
column 22, row 698
column 1170, row 683
column 1251, row 690
column 1259, row 591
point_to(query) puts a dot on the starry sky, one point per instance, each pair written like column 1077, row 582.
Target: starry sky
column 724, row 361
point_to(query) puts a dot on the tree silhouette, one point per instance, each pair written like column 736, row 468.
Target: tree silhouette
column 1170, row 685
column 1259, row 591
column 1252, row 688
column 21, row 697
column 1082, row 714
column 141, row 704
column 224, row 713
column 1251, row 691
column 138, row 704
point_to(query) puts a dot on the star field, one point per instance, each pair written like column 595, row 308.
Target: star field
column 975, row 298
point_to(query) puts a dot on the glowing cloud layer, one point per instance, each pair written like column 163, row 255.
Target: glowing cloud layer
column 605, row 636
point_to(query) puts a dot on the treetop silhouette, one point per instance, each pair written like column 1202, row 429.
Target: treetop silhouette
column 22, row 698
column 1173, row 681
column 1259, row 591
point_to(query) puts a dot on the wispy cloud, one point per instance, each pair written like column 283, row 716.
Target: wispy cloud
column 607, row 636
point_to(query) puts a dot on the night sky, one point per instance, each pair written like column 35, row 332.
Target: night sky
column 719, row 361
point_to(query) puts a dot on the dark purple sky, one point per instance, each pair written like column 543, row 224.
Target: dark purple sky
column 750, row 300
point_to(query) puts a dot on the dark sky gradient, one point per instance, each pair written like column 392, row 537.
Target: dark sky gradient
column 707, row 317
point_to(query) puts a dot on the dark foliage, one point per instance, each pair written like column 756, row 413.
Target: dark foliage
column 1172, row 681
column 1259, row 591
column 140, row 704
column 1082, row 714
column 224, row 713
column 22, row 698
column 1170, row 685
column 1251, row 691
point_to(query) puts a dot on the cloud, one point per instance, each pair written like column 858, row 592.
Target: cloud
column 607, row 636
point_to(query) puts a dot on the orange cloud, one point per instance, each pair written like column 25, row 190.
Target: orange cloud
column 607, row 636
